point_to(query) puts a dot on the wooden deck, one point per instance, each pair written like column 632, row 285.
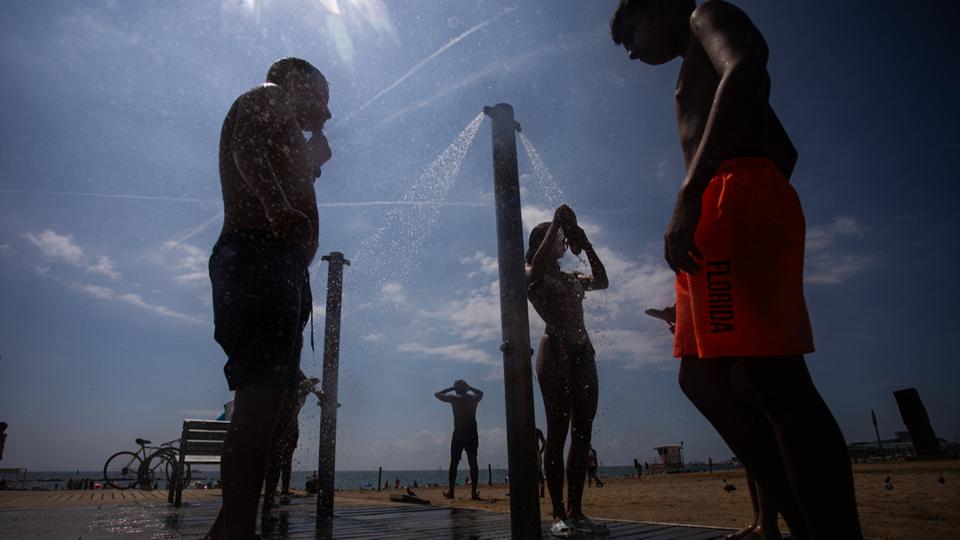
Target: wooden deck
column 149, row 519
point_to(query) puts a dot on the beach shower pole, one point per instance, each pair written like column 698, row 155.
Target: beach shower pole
column 517, row 371
column 326, row 465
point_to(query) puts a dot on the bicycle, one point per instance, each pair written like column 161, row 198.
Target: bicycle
column 127, row 469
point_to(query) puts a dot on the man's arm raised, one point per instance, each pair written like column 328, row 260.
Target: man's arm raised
column 442, row 395
column 478, row 394
column 739, row 55
column 261, row 119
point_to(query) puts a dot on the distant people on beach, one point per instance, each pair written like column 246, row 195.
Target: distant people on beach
column 566, row 365
column 259, row 268
column 3, row 438
column 463, row 399
column 636, row 465
column 593, row 465
column 280, row 465
column 541, row 448
column 736, row 242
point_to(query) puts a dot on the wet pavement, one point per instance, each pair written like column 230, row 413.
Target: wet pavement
column 155, row 519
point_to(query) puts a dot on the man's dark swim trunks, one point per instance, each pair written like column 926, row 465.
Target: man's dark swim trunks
column 261, row 303
column 464, row 439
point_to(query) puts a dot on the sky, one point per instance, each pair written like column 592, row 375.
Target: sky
column 110, row 204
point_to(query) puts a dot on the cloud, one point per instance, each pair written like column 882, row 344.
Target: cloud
column 634, row 349
column 827, row 263
column 61, row 247
column 189, row 260
column 6, row 250
column 105, row 293
column 833, row 269
column 822, row 237
column 394, row 293
column 475, row 317
column 487, row 264
column 458, row 352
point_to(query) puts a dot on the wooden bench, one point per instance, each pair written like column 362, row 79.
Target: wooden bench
column 201, row 443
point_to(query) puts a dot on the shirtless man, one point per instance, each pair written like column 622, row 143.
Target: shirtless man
column 464, row 400
column 742, row 322
column 258, row 268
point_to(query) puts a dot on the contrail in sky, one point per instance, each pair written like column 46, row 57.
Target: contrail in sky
column 426, row 60
column 109, row 196
column 213, row 219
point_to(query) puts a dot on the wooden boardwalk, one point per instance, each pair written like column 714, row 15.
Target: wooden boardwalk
column 149, row 519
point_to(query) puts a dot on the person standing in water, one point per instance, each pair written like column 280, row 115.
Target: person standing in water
column 736, row 242
column 566, row 365
column 464, row 399
column 259, row 268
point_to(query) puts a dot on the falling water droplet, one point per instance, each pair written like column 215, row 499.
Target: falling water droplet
column 551, row 190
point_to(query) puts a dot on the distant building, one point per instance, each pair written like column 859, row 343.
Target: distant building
column 900, row 447
column 671, row 458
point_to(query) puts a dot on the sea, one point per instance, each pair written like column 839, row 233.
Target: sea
column 344, row 480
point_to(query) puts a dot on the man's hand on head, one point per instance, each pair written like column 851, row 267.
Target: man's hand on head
column 318, row 151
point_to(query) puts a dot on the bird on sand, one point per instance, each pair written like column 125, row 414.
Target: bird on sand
column 728, row 487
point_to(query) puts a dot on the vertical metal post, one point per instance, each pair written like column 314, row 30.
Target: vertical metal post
column 379, row 478
column 326, row 466
column 876, row 429
column 517, row 370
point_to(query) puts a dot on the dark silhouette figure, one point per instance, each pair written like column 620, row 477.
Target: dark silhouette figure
column 740, row 258
column 764, row 525
column 258, row 268
column 280, row 467
column 593, row 464
column 464, row 400
column 566, row 364
column 541, row 448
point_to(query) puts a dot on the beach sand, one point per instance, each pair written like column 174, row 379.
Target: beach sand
column 918, row 507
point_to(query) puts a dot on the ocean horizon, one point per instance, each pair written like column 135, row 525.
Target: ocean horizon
column 344, row 480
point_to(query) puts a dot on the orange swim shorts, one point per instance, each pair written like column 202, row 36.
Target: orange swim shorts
column 747, row 298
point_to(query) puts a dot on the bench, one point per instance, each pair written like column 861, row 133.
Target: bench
column 201, row 443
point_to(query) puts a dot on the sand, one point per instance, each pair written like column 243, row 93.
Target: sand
column 917, row 507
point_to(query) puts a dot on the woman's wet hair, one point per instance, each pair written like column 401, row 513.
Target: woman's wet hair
column 537, row 234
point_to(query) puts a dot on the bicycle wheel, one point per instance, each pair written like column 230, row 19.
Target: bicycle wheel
column 122, row 470
column 162, row 464
column 155, row 467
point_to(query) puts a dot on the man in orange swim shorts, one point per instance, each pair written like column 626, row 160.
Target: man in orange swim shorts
column 735, row 241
